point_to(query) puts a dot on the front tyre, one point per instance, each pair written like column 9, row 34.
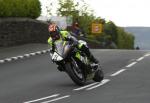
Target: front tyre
column 75, row 73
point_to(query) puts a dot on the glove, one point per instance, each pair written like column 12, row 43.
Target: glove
column 73, row 41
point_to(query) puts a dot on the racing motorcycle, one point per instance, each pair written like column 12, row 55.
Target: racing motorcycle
column 75, row 63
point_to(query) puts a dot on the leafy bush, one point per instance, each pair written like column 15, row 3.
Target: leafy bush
column 20, row 8
column 111, row 29
column 125, row 40
column 119, row 36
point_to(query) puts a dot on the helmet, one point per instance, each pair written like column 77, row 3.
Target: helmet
column 54, row 31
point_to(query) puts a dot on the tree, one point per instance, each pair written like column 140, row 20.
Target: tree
column 111, row 29
column 49, row 9
column 85, row 22
column 125, row 39
column 81, row 14
column 67, row 8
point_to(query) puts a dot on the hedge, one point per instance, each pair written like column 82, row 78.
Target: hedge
column 20, row 8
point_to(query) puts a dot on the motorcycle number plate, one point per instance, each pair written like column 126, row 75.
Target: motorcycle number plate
column 56, row 57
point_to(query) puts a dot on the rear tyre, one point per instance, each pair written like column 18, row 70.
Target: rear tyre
column 99, row 76
column 75, row 73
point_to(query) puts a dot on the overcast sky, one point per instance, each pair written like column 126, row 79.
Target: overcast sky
column 121, row 12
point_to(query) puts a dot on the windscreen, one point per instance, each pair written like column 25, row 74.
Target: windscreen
column 62, row 48
column 59, row 47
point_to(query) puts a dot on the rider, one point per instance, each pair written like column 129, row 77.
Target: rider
column 56, row 34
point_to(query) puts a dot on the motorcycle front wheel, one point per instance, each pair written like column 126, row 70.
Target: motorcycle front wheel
column 75, row 73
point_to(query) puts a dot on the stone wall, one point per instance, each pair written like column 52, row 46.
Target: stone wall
column 17, row 31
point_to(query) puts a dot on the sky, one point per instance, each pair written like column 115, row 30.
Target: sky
column 121, row 12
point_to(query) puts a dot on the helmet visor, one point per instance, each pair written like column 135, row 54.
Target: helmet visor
column 54, row 35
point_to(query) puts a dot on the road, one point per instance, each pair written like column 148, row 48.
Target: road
column 36, row 80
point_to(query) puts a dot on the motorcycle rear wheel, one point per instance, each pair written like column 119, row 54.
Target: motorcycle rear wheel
column 99, row 76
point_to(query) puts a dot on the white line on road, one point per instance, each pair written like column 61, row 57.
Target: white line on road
column 130, row 65
column 39, row 52
column 20, row 57
column 49, row 50
column 56, row 99
column 27, row 55
column 15, row 58
column 85, row 86
column 55, row 95
column 8, row 59
column 44, row 51
column 23, row 56
column 118, row 72
column 140, row 59
column 32, row 54
column 146, row 55
column 100, row 84
column 2, row 61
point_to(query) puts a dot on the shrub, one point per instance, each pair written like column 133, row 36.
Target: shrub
column 20, row 8
column 125, row 40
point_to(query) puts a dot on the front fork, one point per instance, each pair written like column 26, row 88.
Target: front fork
column 85, row 64
column 60, row 66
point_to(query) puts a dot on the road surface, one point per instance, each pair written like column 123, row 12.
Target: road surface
column 36, row 80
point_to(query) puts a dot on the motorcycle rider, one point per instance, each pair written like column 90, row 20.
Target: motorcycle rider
column 56, row 34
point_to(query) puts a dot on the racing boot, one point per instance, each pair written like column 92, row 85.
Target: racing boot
column 89, row 55
column 93, row 59
column 94, row 62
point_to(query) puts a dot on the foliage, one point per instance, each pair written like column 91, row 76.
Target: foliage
column 125, row 40
column 80, row 14
column 20, row 8
column 67, row 8
column 85, row 22
column 49, row 9
column 111, row 34
column 111, row 29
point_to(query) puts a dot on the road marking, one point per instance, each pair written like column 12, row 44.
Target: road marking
column 118, row 72
column 146, row 55
column 24, row 55
column 39, row 52
column 44, row 51
column 20, row 57
column 2, row 61
column 140, row 59
column 49, row 50
column 100, row 84
column 32, row 54
column 8, row 59
column 85, row 86
column 27, row 55
column 55, row 95
column 15, row 58
column 130, row 65
column 56, row 99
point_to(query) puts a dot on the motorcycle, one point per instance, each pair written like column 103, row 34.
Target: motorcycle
column 75, row 63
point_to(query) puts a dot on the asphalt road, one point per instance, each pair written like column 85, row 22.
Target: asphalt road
column 36, row 80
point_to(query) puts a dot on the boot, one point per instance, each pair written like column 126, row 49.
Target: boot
column 60, row 68
column 93, row 59
column 89, row 54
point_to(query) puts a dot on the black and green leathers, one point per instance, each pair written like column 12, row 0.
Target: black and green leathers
column 81, row 45
column 65, row 35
